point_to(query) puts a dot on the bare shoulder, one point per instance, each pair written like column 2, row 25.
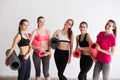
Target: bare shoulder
column 88, row 35
column 57, row 31
column 17, row 37
column 47, row 30
column 34, row 31
column 88, row 38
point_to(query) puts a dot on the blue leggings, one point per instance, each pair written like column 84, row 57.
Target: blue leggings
column 37, row 63
column 24, row 71
column 101, row 67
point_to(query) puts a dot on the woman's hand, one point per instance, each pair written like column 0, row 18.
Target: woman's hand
column 69, row 59
column 6, row 62
column 47, row 53
column 98, row 47
column 80, row 48
column 41, row 49
column 26, row 57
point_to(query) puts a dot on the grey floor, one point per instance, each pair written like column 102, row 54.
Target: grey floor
column 15, row 78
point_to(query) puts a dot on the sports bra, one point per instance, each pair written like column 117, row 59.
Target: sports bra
column 42, row 37
column 84, row 42
column 23, row 42
column 63, row 38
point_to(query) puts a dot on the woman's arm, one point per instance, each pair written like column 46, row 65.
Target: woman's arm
column 71, row 45
column 56, row 34
column 111, row 52
column 77, row 37
column 49, row 48
column 15, row 41
column 71, row 49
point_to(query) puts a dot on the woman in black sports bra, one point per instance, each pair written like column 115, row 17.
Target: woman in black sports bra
column 22, row 40
column 82, row 43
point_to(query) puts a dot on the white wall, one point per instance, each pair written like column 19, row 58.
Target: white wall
column 56, row 12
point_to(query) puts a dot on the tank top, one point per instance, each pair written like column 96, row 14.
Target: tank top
column 63, row 38
column 42, row 37
column 84, row 42
column 23, row 42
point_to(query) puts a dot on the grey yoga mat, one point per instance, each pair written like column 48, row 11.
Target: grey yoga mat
column 13, row 60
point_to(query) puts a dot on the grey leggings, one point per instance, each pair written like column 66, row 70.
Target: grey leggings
column 105, row 68
column 37, row 64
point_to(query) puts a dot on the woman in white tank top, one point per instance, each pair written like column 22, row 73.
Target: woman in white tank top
column 63, row 51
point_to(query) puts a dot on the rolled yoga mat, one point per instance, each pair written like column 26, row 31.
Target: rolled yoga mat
column 76, row 53
column 94, row 50
column 54, row 42
column 13, row 60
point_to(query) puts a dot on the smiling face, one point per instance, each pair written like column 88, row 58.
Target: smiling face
column 41, row 22
column 83, row 27
column 24, row 26
column 109, row 26
column 68, row 23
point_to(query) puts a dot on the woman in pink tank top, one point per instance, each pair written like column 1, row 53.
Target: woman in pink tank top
column 106, row 42
column 40, row 42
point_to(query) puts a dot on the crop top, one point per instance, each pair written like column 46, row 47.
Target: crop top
column 84, row 42
column 63, row 38
column 42, row 37
column 23, row 42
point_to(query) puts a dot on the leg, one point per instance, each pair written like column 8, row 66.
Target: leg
column 37, row 62
column 97, row 70
column 28, row 69
column 85, row 65
column 45, row 62
column 21, row 71
column 61, row 59
column 106, row 70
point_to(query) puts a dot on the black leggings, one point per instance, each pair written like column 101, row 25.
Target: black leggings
column 37, row 64
column 61, row 59
column 86, row 63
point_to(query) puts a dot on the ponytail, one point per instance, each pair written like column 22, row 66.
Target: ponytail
column 70, row 30
column 70, row 33
column 114, row 26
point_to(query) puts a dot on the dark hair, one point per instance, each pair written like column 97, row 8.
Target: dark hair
column 70, row 30
column 39, row 18
column 114, row 26
column 83, row 22
column 21, row 23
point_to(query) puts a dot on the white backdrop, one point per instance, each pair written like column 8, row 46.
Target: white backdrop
column 56, row 12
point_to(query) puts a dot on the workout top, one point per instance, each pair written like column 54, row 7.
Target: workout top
column 63, row 38
column 23, row 42
column 105, row 43
column 84, row 42
column 42, row 37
